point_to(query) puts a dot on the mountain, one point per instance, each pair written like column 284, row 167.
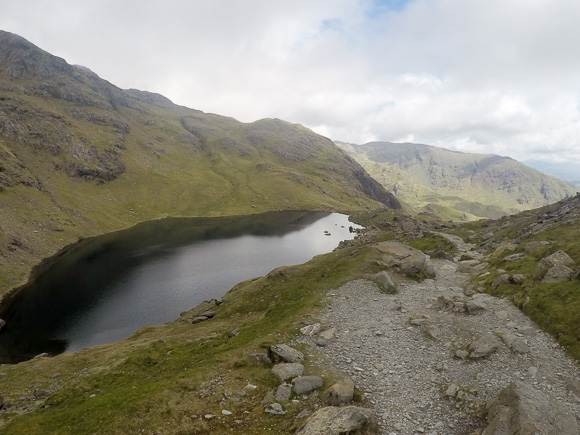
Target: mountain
column 569, row 171
column 456, row 185
column 79, row 156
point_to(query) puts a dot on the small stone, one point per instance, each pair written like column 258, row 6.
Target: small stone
column 310, row 329
column 208, row 416
column 305, row 384
column 226, row 412
column 275, row 409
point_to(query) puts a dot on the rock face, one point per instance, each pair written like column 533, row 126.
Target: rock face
column 337, row 421
column 521, row 409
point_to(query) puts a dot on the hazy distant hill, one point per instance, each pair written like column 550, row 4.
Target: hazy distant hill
column 568, row 171
column 79, row 156
column 458, row 185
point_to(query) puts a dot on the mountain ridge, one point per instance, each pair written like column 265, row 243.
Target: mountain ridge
column 437, row 180
column 80, row 156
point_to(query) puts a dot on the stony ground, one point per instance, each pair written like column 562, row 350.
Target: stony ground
column 401, row 351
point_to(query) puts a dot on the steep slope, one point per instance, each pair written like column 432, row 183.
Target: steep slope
column 472, row 185
column 79, row 156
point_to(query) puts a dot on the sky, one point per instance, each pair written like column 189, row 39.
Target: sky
column 485, row 76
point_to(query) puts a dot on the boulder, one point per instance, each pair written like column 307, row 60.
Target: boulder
column 284, row 371
column 260, row 358
column 328, row 334
column 515, row 343
column 558, row 273
column 417, row 265
column 284, row 353
column 340, row 393
column 475, row 306
column 311, row 330
column 331, row 420
column 484, row 346
column 284, row 392
column 384, row 281
column 521, row 409
column 305, row 384
column 558, row 258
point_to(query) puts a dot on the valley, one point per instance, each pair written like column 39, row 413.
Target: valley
column 430, row 320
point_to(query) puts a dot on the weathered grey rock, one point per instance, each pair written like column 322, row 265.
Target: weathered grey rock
column 340, row 393
column 517, row 278
column 558, row 258
column 461, row 353
column 501, row 280
column 284, row 353
column 384, row 281
column 332, row 420
column 328, row 334
column 284, row 371
column 558, row 273
column 310, row 330
column 475, row 306
column 305, row 384
column 275, row 409
column 284, row 392
column 412, row 262
column 484, row 346
column 521, row 409
column 515, row 343
column 269, row 398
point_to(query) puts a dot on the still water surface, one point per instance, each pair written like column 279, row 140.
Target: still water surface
column 102, row 289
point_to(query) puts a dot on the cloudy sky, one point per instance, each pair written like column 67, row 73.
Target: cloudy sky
column 491, row 76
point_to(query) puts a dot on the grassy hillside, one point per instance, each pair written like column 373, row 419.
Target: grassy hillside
column 455, row 185
column 79, row 156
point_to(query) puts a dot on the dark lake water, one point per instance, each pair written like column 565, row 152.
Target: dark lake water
column 102, row 289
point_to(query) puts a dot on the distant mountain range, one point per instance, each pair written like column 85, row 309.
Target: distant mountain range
column 79, row 156
column 455, row 185
column 569, row 171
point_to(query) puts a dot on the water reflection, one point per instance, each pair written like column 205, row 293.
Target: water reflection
column 102, row 289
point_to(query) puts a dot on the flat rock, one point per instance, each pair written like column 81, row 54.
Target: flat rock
column 284, row 353
column 484, row 346
column 284, row 371
column 328, row 334
column 305, row 384
column 521, row 409
column 275, row 409
column 332, row 420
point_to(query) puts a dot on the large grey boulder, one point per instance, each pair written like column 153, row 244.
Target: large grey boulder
column 340, row 393
column 284, row 353
column 384, row 281
column 521, row 409
column 337, row 421
column 558, row 273
column 305, row 384
column 558, row 258
column 284, row 371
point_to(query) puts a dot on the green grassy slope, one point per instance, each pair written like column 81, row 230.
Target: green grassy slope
column 458, row 186
column 79, row 156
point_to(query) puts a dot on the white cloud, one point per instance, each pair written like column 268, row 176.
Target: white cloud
column 483, row 76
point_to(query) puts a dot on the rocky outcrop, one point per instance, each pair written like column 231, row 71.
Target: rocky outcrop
column 558, row 258
column 338, row 421
column 522, row 409
column 410, row 261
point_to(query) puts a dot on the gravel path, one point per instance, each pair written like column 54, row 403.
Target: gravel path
column 409, row 371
